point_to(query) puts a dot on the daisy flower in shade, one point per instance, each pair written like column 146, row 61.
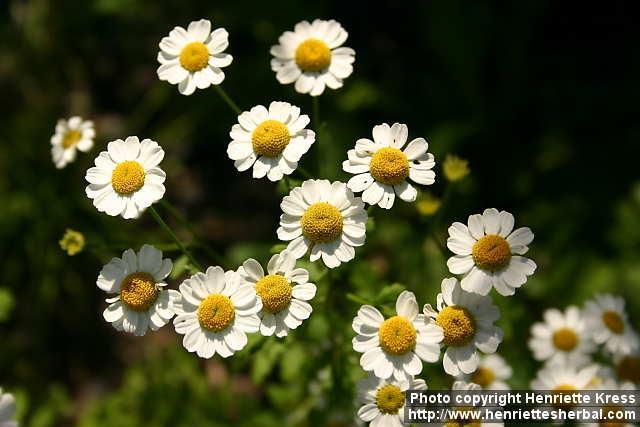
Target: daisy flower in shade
column 461, row 388
column 611, row 384
column 564, row 378
column 7, row 410
column 71, row 135
column 323, row 217
column 609, row 325
column 215, row 312
column 272, row 141
column 466, row 321
column 562, row 338
column 488, row 253
column 383, row 400
column 492, row 373
column 627, row 367
column 311, row 57
column 383, row 167
column 141, row 302
column 284, row 293
column 126, row 178
column 395, row 347
column 193, row 58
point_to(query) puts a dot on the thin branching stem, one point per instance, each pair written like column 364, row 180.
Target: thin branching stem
column 175, row 238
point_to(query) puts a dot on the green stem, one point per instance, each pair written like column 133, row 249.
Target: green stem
column 316, row 126
column 175, row 238
column 227, row 99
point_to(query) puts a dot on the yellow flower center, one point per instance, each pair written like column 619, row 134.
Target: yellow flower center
column 491, row 252
column 564, row 389
column 194, row 56
column 628, row 369
column 565, row 339
column 468, row 420
column 275, row 292
column 71, row 138
column 389, row 166
column 138, row 291
column 613, row 321
column 462, row 424
column 127, row 177
column 72, row 242
column 611, row 410
column 321, row 223
column 397, row 335
column 216, row 312
column 455, row 168
column 313, row 55
column 270, row 138
column 389, row 399
column 483, row 377
column 458, row 325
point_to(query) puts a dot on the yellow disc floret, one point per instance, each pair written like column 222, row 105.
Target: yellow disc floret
column 313, row 55
column 194, row 56
column 389, row 166
column 71, row 138
column 216, row 312
column 270, row 138
column 389, row 399
column 491, row 252
column 458, row 325
column 483, row 377
column 127, row 177
column 321, row 223
column 72, row 241
column 138, row 291
column 613, row 321
column 564, row 389
column 275, row 292
column 397, row 335
column 565, row 339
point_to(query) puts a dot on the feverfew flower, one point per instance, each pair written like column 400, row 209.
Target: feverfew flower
column 564, row 378
column 460, row 388
column 272, row 141
column 72, row 242
column 455, row 168
column 141, row 302
column 193, row 58
column 7, row 410
column 466, row 321
column 324, row 217
column 383, row 400
column 311, row 57
column 396, row 347
column 284, row 293
column 383, row 167
column 488, row 253
column 492, row 373
column 627, row 367
column 609, row 325
column 71, row 135
column 126, row 179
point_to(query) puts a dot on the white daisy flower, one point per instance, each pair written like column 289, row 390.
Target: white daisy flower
column 324, row 217
column 383, row 400
column 272, row 141
column 609, row 325
column 71, row 135
column 492, row 373
column 488, row 253
column 193, row 58
column 564, row 378
column 138, row 280
column 284, row 293
column 461, row 387
column 311, row 57
column 627, row 367
column 396, row 347
column 215, row 312
column 7, row 410
column 610, row 411
column 382, row 166
column 466, row 321
column 126, row 178
column 562, row 338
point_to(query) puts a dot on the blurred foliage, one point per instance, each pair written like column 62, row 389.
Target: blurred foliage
column 536, row 95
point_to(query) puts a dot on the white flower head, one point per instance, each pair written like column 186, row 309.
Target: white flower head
column 466, row 321
column 383, row 400
column 564, row 377
column 488, row 253
column 395, row 347
column 609, row 325
column 563, row 338
column 193, row 58
column 312, row 57
column 461, row 387
column 7, row 410
column 126, row 178
column 284, row 292
column 71, row 135
column 383, row 167
column 272, row 141
column 492, row 373
column 324, row 217
column 142, row 302
column 215, row 312
column 610, row 384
